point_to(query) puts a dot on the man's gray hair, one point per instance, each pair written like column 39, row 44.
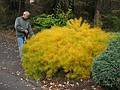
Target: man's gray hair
column 26, row 13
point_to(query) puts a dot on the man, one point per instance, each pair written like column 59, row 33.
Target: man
column 23, row 29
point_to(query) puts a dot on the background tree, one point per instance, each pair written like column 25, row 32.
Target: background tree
column 88, row 9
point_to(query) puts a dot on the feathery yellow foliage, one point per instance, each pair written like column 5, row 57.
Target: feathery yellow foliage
column 71, row 48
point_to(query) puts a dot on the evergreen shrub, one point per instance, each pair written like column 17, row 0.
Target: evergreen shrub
column 106, row 67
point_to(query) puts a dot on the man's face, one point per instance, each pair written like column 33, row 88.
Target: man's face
column 26, row 16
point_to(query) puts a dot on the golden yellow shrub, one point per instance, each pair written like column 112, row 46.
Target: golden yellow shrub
column 71, row 48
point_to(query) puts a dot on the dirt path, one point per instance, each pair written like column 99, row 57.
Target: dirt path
column 11, row 73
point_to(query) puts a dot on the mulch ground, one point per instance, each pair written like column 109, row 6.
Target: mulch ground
column 10, row 64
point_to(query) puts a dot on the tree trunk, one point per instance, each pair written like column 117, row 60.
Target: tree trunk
column 97, row 16
column 21, row 6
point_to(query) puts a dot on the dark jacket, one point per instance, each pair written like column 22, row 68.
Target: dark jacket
column 21, row 25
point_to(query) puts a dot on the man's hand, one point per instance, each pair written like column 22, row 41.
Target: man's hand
column 26, row 31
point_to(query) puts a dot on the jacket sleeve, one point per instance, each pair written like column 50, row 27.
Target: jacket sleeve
column 18, row 26
column 30, row 30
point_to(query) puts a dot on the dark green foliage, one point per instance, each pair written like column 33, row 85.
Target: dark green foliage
column 46, row 21
column 116, row 23
column 111, row 22
column 106, row 67
column 110, row 12
column 8, row 12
